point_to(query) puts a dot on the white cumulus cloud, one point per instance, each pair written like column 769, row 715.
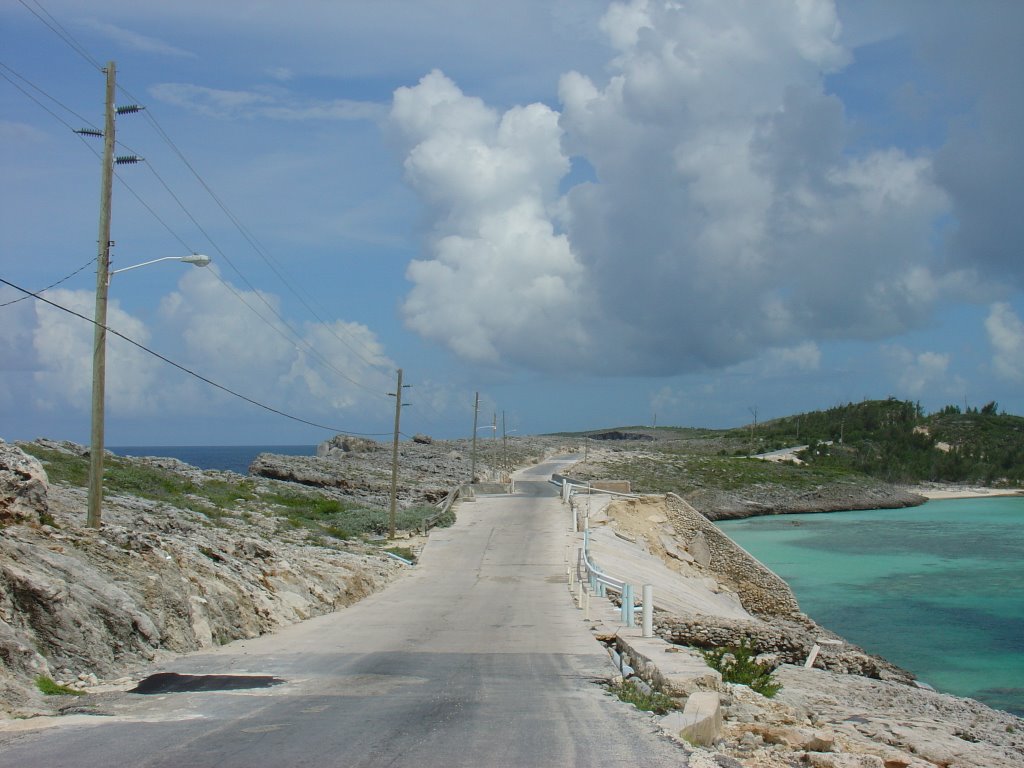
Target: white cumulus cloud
column 726, row 212
column 1006, row 335
column 331, row 371
column 501, row 281
column 918, row 373
column 63, row 347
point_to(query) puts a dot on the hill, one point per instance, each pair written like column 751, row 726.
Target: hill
column 864, row 455
column 893, row 440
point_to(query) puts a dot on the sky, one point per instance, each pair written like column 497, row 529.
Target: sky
column 593, row 214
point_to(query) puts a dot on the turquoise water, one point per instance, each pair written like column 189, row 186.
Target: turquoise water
column 936, row 589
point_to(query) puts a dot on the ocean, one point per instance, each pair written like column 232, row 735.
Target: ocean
column 937, row 589
column 235, row 458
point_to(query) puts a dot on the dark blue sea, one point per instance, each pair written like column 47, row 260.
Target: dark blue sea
column 235, row 458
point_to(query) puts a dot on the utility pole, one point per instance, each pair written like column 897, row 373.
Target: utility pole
column 394, row 457
column 476, row 410
column 753, row 427
column 99, row 345
column 504, row 446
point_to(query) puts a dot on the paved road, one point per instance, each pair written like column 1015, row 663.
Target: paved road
column 477, row 658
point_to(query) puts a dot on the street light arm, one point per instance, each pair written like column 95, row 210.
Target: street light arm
column 198, row 259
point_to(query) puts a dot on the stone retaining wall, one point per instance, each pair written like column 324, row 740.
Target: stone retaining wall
column 780, row 642
column 761, row 591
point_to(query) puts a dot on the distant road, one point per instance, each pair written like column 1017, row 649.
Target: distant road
column 476, row 658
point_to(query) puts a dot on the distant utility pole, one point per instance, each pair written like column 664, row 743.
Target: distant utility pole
column 504, row 445
column 472, row 469
column 753, row 427
column 397, row 394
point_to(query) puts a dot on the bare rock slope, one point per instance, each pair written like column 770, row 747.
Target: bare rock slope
column 78, row 604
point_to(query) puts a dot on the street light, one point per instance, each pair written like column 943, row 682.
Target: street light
column 99, row 362
column 197, row 259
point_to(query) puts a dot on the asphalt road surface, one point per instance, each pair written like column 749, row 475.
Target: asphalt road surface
column 476, row 658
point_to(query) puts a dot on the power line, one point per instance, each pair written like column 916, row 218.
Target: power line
column 69, row 39
column 189, row 371
column 249, row 237
column 52, row 285
column 44, row 93
column 297, row 337
column 62, row 33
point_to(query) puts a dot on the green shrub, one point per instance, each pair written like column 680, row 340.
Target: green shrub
column 50, row 688
column 738, row 665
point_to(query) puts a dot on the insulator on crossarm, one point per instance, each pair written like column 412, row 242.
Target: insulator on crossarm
column 127, row 160
column 129, row 109
column 89, row 132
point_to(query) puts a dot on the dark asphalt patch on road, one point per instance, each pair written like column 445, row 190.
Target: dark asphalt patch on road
column 172, row 682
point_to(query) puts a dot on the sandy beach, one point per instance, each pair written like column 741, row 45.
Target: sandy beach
column 942, row 491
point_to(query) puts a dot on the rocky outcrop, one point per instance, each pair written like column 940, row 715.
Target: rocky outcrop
column 78, row 603
column 347, row 444
column 718, row 504
column 22, row 487
column 362, row 470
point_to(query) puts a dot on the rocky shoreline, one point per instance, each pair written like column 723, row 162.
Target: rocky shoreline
column 758, row 498
column 849, row 709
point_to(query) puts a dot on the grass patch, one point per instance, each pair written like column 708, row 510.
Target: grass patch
column 320, row 514
column 347, row 520
column 738, row 665
column 48, row 687
column 654, row 701
column 121, row 476
column 60, row 467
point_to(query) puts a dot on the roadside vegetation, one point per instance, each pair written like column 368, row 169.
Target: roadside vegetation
column 321, row 514
column 739, row 665
column 48, row 687
column 643, row 698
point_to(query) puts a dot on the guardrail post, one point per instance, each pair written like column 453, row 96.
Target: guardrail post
column 629, row 606
column 648, row 615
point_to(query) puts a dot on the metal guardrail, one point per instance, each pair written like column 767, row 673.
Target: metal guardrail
column 588, row 571
column 596, row 575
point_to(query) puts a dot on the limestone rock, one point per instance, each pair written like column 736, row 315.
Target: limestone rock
column 347, row 444
column 700, row 550
column 23, row 487
column 702, row 718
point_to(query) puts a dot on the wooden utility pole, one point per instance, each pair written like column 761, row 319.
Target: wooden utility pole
column 99, row 347
column 472, row 466
column 394, row 459
column 504, row 446
column 753, row 427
